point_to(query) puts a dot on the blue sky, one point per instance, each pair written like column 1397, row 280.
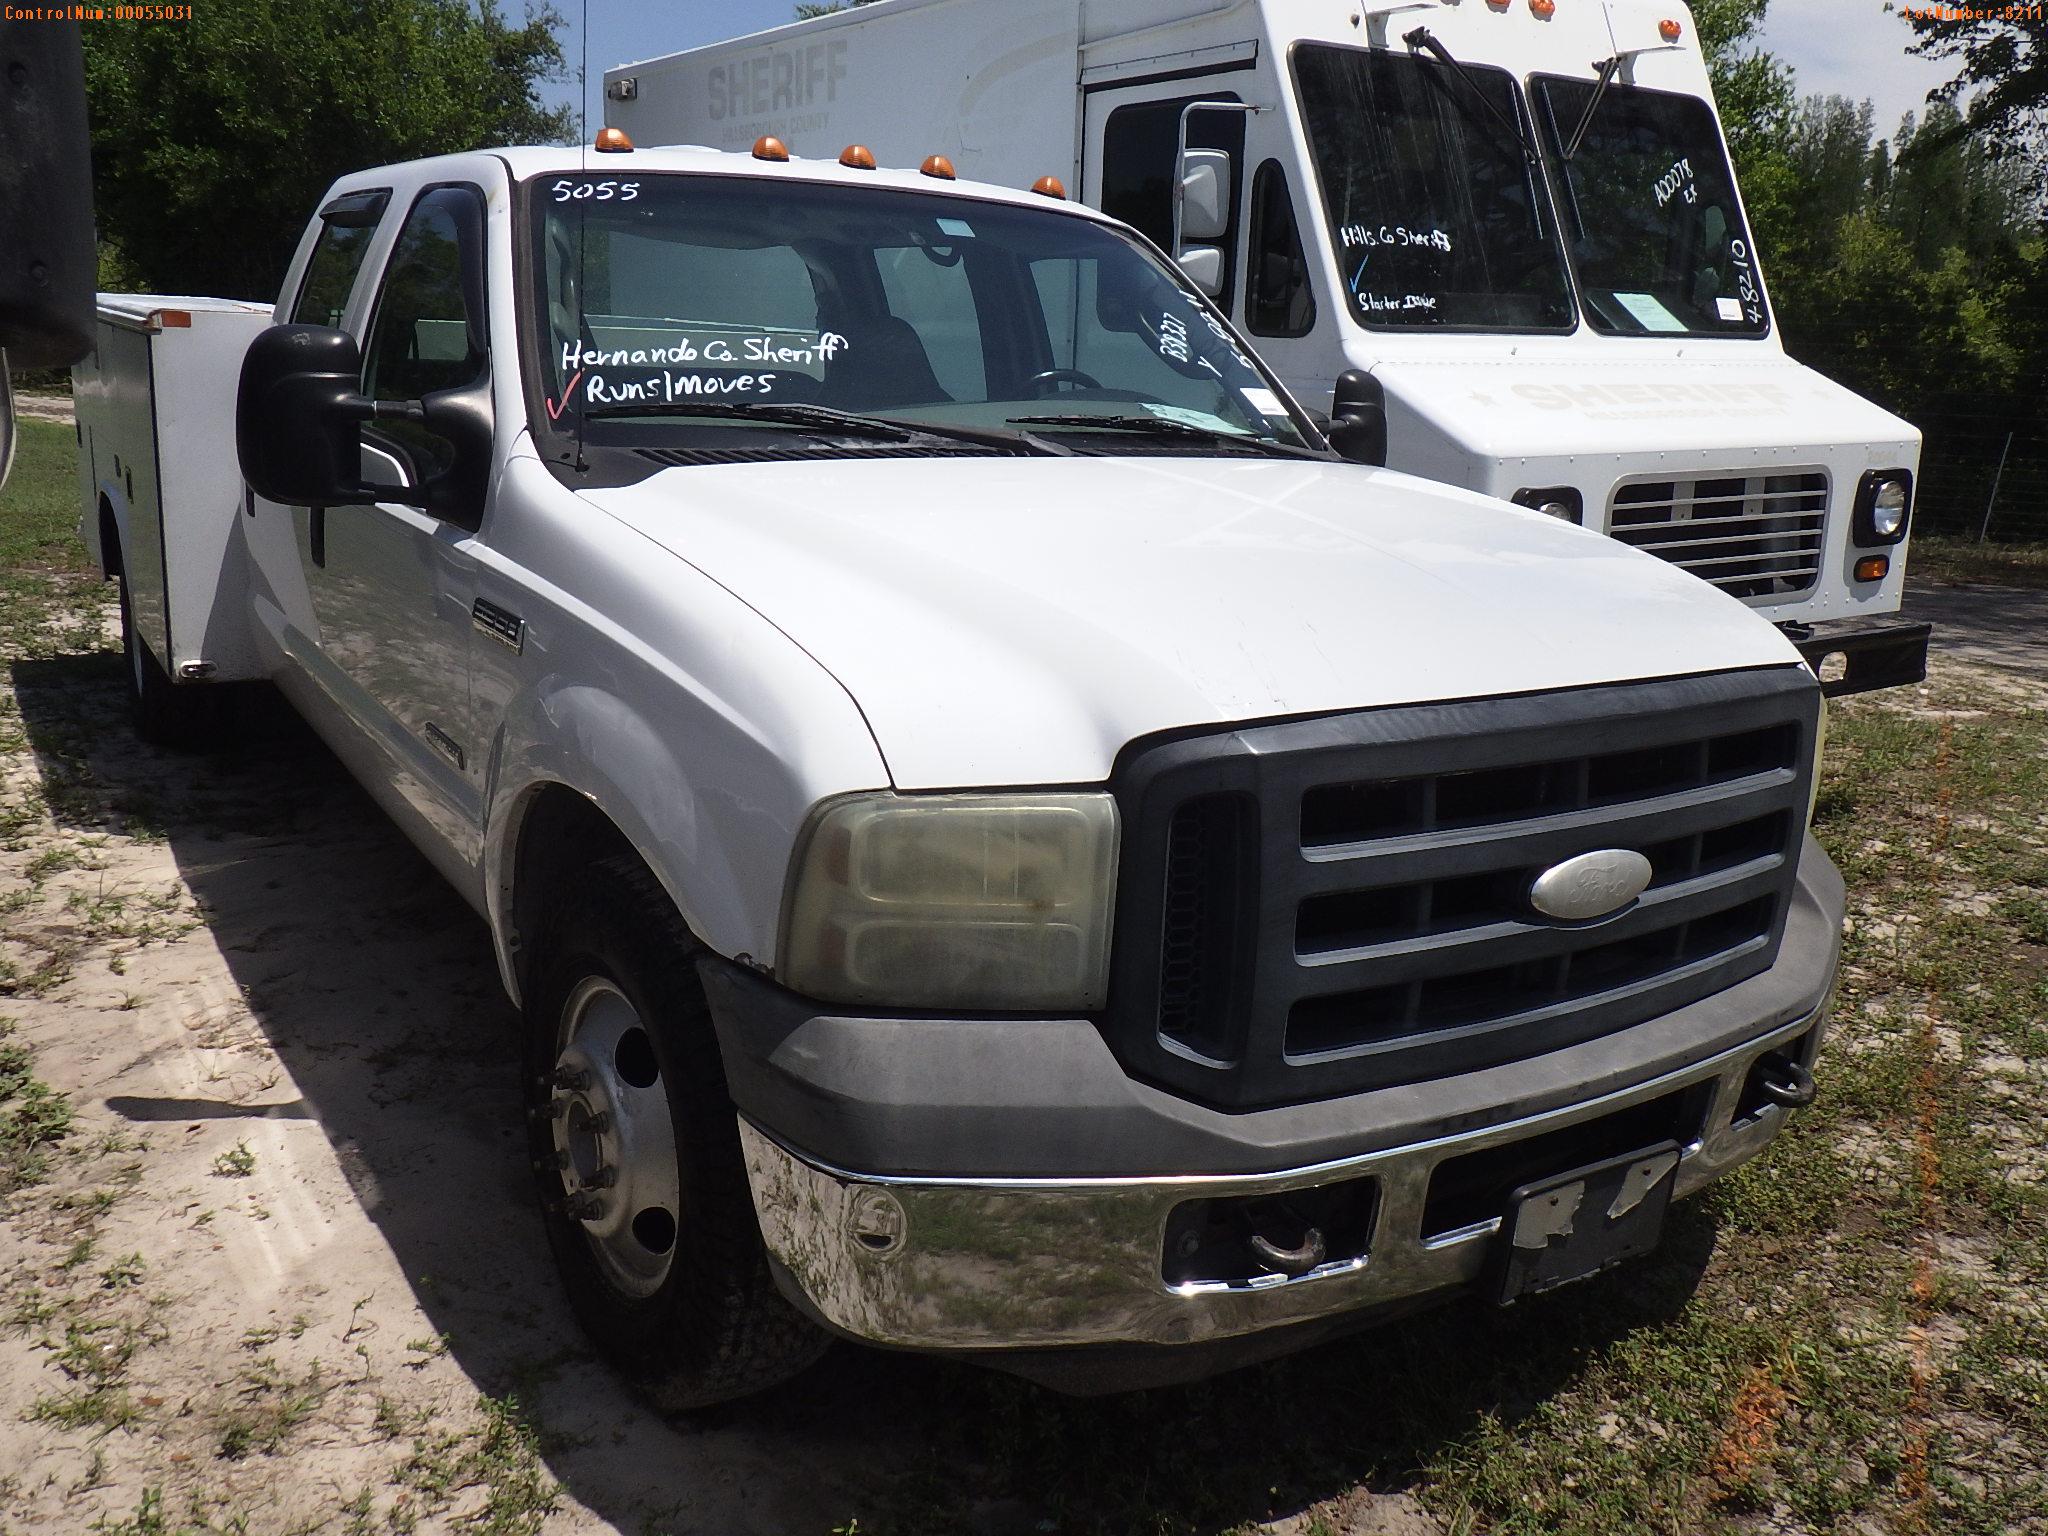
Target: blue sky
column 1853, row 48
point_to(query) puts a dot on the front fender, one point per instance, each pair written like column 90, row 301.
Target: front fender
column 716, row 822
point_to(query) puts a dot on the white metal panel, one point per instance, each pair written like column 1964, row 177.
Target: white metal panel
column 907, row 78
column 1018, row 621
column 198, row 369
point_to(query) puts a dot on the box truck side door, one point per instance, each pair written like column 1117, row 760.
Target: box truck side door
column 1290, row 308
column 1133, row 147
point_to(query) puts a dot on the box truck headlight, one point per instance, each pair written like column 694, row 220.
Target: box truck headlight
column 997, row 902
column 1884, row 505
column 1562, row 502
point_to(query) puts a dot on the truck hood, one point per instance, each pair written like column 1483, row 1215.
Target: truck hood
column 1017, row 621
column 1706, row 395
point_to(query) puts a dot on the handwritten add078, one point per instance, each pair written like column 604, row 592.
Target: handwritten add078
column 1676, row 182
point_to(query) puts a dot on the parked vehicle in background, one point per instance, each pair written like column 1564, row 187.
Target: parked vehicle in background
column 1519, row 220
column 1004, row 843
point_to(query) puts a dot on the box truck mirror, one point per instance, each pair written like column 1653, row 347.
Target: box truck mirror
column 1204, row 202
column 1358, row 418
column 1204, row 267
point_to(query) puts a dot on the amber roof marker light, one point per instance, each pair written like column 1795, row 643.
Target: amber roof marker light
column 1670, row 30
column 613, row 141
column 1543, row 10
column 939, row 166
column 768, row 147
column 857, row 157
column 1050, row 186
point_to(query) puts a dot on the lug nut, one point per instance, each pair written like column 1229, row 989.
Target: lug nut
column 590, row 1209
column 604, row 1178
column 571, row 1080
column 600, row 1123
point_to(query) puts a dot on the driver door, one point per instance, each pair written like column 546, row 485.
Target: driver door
column 393, row 586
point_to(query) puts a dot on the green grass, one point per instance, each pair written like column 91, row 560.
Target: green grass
column 34, row 1118
column 49, row 591
column 1965, row 560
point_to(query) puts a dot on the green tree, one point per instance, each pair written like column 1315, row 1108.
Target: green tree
column 1752, row 89
column 2003, row 54
column 213, row 141
column 806, row 12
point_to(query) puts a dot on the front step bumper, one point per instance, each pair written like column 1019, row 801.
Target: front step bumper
column 1877, row 653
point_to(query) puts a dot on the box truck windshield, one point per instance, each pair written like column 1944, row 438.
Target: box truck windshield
column 1655, row 231
column 671, row 296
column 1436, row 203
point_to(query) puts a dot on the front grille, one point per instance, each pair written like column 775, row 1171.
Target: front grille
column 1324, row 906
column 1757, row 536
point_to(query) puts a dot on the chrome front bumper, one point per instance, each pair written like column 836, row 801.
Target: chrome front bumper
column 976, row 1264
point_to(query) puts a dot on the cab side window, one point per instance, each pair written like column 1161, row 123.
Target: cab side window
column 427, row 336
column 347, row 226
column 1278, row 300
column 428, row 333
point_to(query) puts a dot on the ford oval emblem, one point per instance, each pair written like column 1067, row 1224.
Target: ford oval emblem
column 1597, row 884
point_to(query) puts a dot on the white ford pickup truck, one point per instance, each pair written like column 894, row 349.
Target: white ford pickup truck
column 1004, row 841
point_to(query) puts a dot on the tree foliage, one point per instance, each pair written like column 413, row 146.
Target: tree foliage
column 213, row 141
column 2002, row 55
column 1909, row 267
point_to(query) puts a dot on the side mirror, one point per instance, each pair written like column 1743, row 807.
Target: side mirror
column 1204, row 267
column 1358, row 418
column 299, row 417
column 1204, row 201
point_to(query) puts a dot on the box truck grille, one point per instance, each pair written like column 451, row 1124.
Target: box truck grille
column 1325, row 906
column 1753, row 535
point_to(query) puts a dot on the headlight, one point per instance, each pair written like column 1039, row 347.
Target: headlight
column 1562, row 502
column 954, row 901
column 1888, row 510
column 1884, row 505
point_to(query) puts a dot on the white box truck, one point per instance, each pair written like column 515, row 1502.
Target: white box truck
column 1517, row 218
column 1068, row 873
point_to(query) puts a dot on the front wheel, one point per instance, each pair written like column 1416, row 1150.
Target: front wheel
column 637, row 1152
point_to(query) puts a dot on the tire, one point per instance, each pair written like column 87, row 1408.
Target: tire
column 189, row 718
column 617, row 1025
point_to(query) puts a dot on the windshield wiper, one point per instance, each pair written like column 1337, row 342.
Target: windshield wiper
column 1424, row 40
column 825, row 418
column 1608, row 67
column 1159, row 426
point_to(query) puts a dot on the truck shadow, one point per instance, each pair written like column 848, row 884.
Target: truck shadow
column 375, row 985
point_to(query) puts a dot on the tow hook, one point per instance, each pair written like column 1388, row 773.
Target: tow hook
column 1784, row 1081
column 1292, row 1261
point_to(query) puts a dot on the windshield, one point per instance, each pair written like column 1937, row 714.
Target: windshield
column 1656, row 236
column 1437, row 209
column 738, row 297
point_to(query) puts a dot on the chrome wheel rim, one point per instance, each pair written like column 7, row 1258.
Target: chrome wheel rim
column 614, row 1139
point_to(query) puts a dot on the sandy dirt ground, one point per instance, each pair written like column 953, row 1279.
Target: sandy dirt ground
column 290, row 1249
column 1996, row 626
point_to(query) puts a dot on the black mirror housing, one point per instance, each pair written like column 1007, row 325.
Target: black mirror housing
column 299, row 417
column 1358, row 418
